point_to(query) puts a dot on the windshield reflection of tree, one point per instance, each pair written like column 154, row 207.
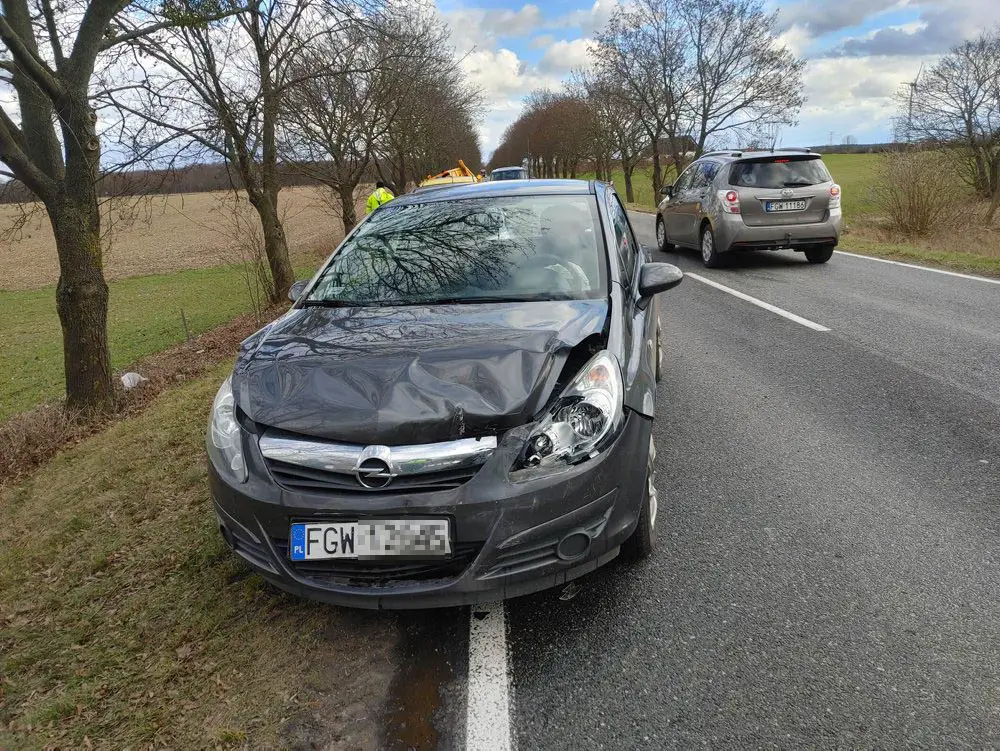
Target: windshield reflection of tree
column 434, row 251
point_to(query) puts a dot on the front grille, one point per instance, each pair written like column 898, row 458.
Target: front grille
column 386, row 572
column 306, row 479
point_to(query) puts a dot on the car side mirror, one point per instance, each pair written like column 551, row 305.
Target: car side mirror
column 655, row 278
column 296, row 290
column 667, row 190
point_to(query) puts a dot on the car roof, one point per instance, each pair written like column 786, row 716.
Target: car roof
column 504, row 169
column 740, row 155
column 503, row 189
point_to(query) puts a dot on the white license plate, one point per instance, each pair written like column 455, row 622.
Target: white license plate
column 784, row 206
column 318, row 541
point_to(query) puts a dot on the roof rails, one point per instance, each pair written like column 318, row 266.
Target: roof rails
column 724, row 152
column 800, row 149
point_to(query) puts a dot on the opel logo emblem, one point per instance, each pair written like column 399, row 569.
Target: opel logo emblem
column 374, row 468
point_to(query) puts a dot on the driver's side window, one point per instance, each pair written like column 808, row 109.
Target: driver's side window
column 684, row 181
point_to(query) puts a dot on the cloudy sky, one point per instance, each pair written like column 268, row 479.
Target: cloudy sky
column 858, row 52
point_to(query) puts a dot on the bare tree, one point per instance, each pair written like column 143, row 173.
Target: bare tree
column 336, row 113
column 699, row 71
column 744, row 79
column 620, row 130
column 433, row 125
column 220, row 87
column 49, row 55
column 956, row 106
column 642, row 50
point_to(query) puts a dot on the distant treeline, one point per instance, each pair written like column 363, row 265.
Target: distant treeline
column 195, row 178
column 858, row 148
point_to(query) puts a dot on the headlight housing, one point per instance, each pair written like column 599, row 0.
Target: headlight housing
column 582, row 421
column 225, row 440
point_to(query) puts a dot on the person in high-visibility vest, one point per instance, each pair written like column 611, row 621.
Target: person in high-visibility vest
column 380, row 195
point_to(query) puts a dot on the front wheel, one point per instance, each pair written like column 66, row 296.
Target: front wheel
column 643, row 541
column 819, row 255
column 710, row 254
column 662, row 242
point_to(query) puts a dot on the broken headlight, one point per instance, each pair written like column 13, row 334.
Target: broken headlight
column 582, row 421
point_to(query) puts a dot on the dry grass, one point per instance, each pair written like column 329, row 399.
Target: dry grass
column 168, row 233
column 126, row 623
column 29, row 439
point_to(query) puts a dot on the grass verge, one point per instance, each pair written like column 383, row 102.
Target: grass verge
column 125, row 622
column 144, row 316
column 949, row 260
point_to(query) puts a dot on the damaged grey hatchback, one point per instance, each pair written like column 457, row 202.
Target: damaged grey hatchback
column 457, row 408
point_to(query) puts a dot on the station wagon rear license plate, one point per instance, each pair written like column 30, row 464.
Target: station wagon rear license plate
column 378, row 538
column 784, row 205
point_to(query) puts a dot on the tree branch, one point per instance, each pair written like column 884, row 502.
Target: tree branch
column 53, row 30
column 143, row 31
column 29, row 63
column 13, row 155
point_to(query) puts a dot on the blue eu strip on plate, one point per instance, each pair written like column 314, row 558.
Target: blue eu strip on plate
column 298, row 542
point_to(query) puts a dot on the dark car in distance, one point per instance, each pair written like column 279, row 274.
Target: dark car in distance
column 508, row 173
column 458, row 407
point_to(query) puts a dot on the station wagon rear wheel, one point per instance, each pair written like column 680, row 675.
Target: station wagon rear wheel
column 819, row 255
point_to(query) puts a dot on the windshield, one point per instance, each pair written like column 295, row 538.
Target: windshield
column 779, row 173
column 507, row 174
column 475, row 250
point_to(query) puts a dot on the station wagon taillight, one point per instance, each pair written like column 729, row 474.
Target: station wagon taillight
column 730, row 201
column 834, row 196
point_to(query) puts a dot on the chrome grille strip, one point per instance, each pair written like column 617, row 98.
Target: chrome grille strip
column 344, row 458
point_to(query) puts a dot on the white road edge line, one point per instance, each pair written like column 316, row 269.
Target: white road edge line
column 487, row 721
column 759, row 303
column 973, row 277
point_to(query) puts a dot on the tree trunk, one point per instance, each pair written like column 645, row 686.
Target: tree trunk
column 275, row 245
column 82, row 292
column 995, row 192
column 401, row 175
column 657, row 168
column 348, row 212
column 627, row 170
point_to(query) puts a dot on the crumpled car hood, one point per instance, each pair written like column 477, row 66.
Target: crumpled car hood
column 397, row 376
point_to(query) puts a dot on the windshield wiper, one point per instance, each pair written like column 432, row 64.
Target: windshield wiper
column 473, row 300
column 798, row 185
column 328, row 304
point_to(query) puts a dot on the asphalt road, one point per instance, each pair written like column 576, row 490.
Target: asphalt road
column 828, row 571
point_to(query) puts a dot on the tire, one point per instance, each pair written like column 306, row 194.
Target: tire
column 642, row 543
column 662, row 242
column 819, row 255
column 710, row 254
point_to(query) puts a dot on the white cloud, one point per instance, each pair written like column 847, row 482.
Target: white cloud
column 565, row 56
column 587, row 20
column 851, row 96
column 796, row 39
column 481, row 27
column 542, row 41
column 501, row 74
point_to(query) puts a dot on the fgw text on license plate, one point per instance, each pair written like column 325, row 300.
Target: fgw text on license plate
column 785, row 206
column 316, row 541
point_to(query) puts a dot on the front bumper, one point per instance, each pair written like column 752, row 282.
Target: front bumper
column 731, row 233
column 508, row 537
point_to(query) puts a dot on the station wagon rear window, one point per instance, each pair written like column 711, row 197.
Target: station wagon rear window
column 780, row 172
